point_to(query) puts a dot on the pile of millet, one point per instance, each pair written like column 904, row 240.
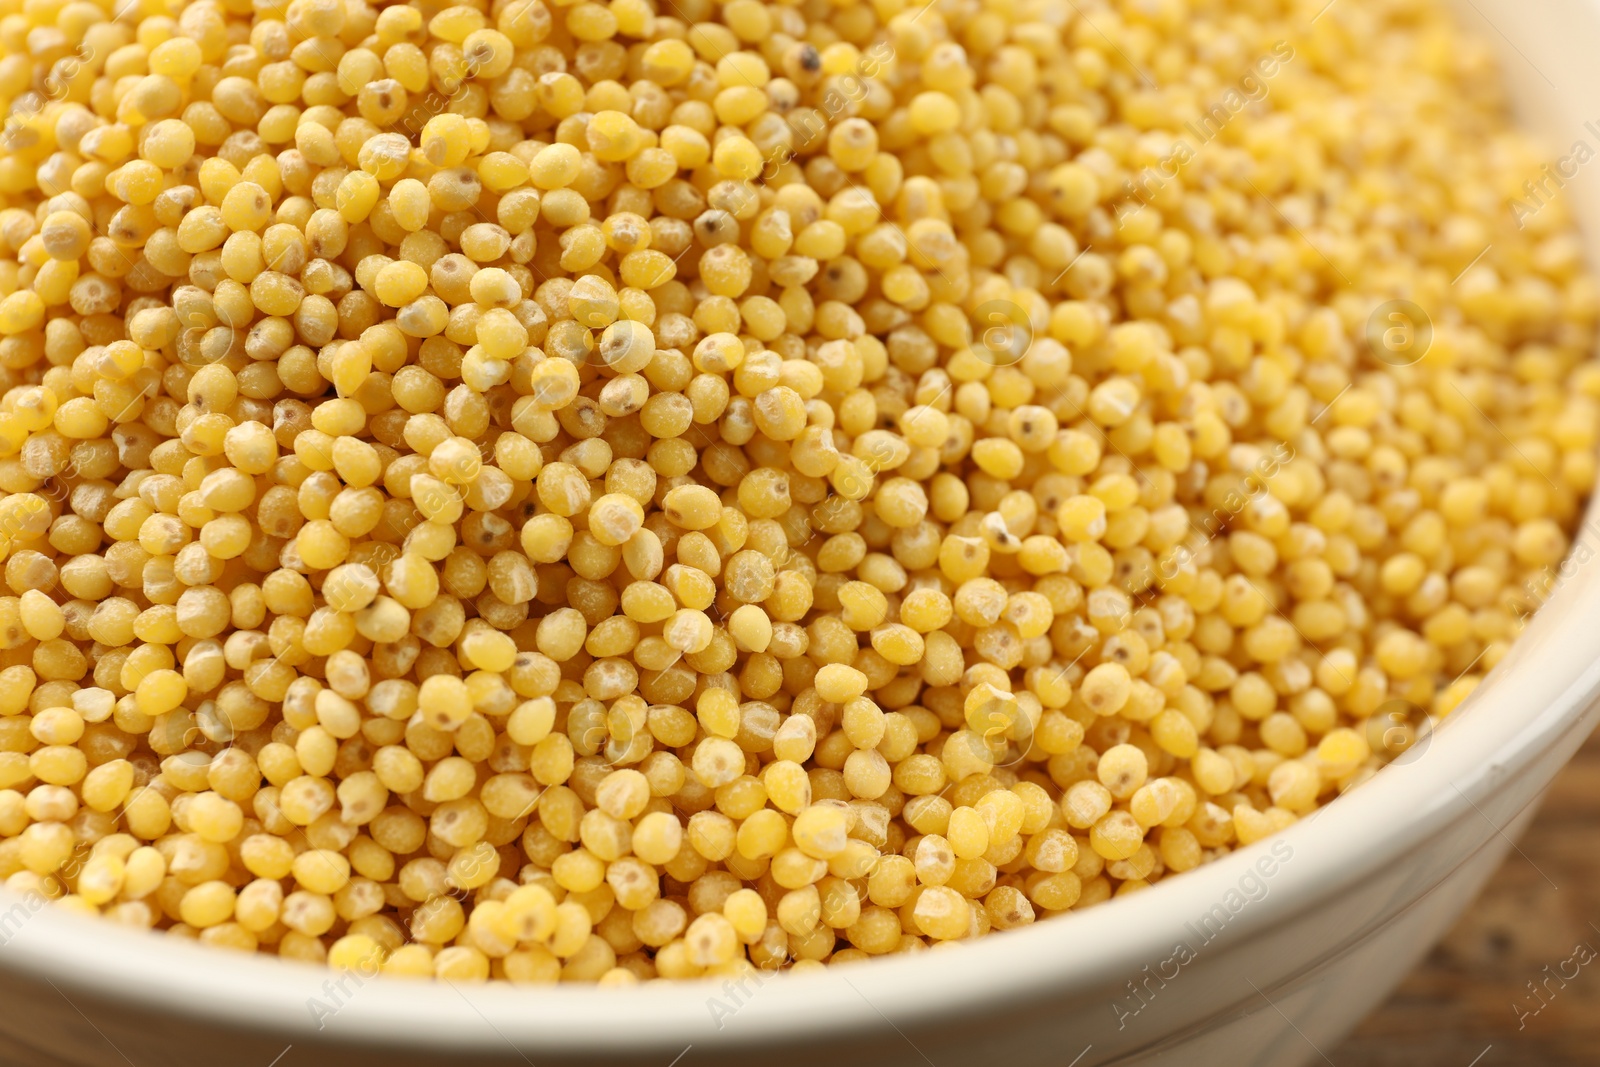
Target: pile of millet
column 548, row 490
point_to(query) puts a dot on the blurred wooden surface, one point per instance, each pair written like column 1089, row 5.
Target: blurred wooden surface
column 1466, row 996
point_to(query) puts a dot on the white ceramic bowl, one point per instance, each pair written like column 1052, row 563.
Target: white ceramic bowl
column 1265, row 958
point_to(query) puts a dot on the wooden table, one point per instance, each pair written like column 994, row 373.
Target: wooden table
column 1461, row 1007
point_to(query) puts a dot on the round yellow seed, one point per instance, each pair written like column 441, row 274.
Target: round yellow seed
column 550, row 493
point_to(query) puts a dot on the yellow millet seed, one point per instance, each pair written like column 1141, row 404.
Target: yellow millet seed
column 545, row 492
